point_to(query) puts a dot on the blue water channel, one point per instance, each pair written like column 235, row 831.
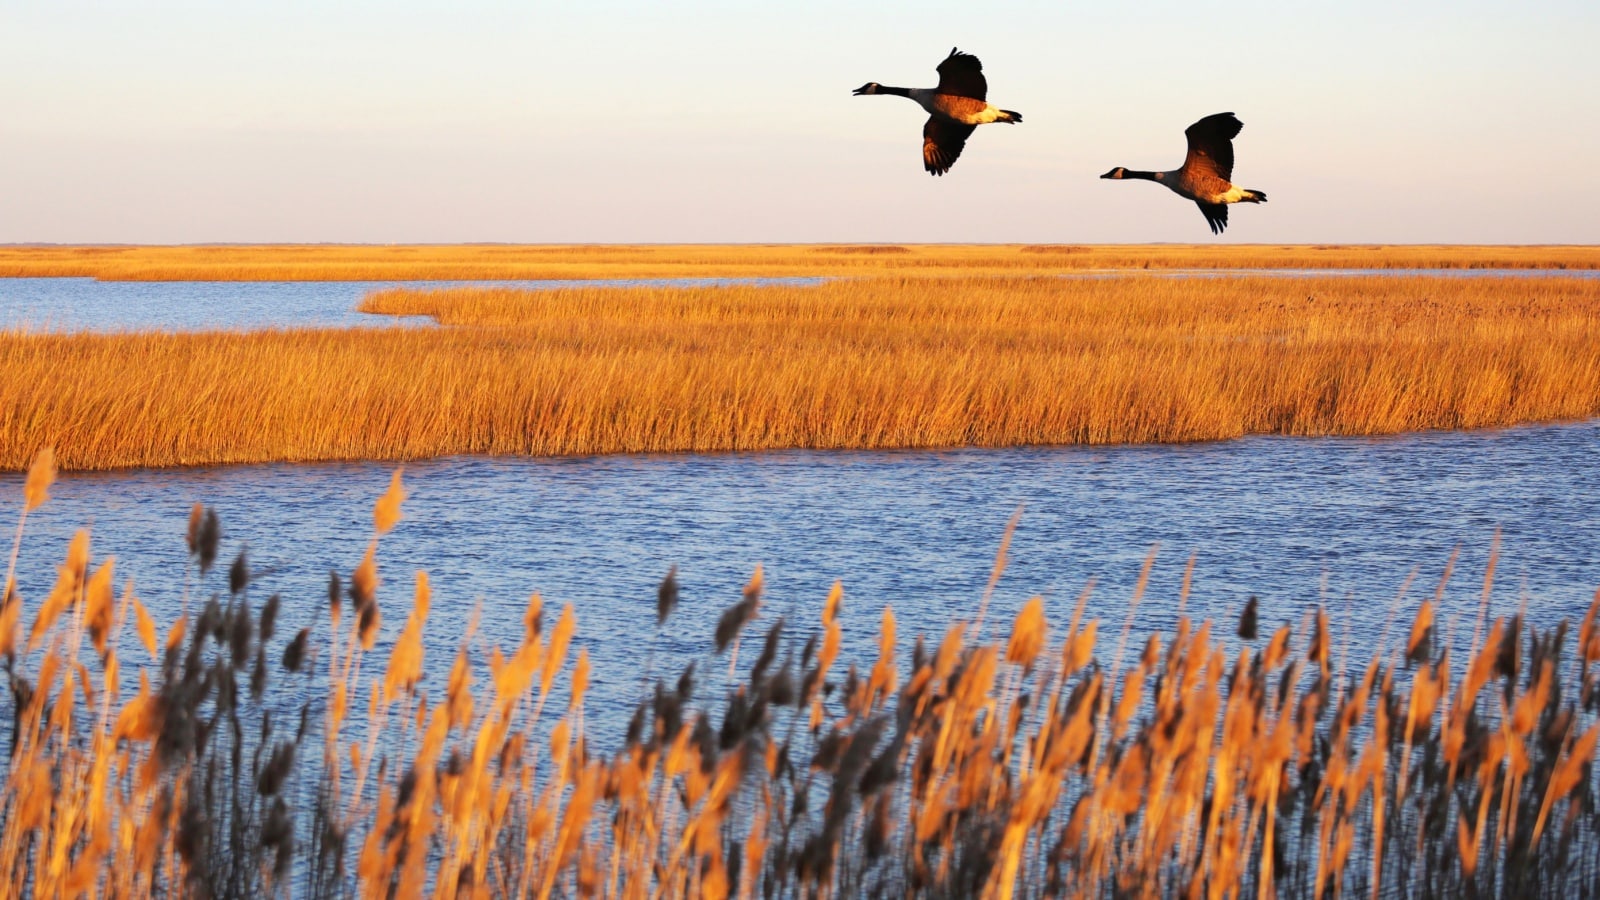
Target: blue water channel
column 1296, row 521
column 84, row 304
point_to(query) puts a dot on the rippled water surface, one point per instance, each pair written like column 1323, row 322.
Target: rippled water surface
column 84, row 304
column 1291, row 520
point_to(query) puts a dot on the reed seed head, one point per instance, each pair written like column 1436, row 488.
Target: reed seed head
column 41, row 475
column 1248, row 620
column 667, row 596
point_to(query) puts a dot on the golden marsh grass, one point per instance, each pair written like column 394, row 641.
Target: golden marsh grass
column 500, row 262
column 1034, row 759
column 851, row 363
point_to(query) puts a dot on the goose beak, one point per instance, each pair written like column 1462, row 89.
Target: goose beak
column 865, row 88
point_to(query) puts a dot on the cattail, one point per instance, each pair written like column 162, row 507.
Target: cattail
column 533, row 620
column 580, row 680
column 1508, row 656
column 566, row 625
column 1589, row 634
column 240, row 633
column 10, row 612
column 852, row 682
column 1079, row 649
column 276, row 771
column 41, row 475
column 1427, row 686
column 635, row 729
column 1028, row 634
column 1572, row 770
column 207, row 537
column 405, row 660
column 238, row 574
column 277, row 833
column 367, row 625
column 335, row 594
column 98, row 605
column 730, row 622
column 686, row 683
column 1277, row 650
column 65, row 592
column 1247, row 619
column 708, row 742
column 211, row 623
column 1318, row 652
column 735, row 617
column 295, row 653
column 829, row 749
column 386, row 512
column 781, row 690
column 882, row 772
column 269, row 618
column 736, row 720
column 1418, row 647
column 258, row 675
column 197, row 514
column 769, row 652
column 667, row 596
column 364, row 580
column 669, row 714
column 1151, row 653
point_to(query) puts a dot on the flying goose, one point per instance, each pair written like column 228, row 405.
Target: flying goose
column 1204, row 175
column 955, row 107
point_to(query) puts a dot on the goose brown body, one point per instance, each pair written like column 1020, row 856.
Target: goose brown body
column 955, row 107
column 1207, row 171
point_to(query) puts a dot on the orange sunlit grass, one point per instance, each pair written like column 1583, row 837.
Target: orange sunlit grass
column 471, row 262
column 854, row 363
column 1206, row 761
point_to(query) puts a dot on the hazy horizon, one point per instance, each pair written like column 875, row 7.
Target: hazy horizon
column 626, row 123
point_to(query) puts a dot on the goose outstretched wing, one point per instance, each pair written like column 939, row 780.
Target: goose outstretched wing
column 1211, row 145
column 962, row 75
column 942, row 141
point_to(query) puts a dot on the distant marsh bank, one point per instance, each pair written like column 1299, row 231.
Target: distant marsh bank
column 508, row 262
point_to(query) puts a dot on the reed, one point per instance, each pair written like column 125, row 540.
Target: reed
column 1028, row 764
column 323, row 262
column 858, row 363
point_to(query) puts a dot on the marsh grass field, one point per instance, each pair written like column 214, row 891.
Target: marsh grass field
column 867, row 362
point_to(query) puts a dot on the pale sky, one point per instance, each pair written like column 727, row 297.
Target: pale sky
column 630, row 121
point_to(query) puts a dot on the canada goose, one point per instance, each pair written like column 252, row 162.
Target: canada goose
column 1204, row 175
column 955, row 107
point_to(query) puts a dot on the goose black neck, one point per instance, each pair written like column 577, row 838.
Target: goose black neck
column 1135, row 173
column 897, row 91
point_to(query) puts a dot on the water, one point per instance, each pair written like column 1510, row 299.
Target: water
column 84, row 304
column 1292, row 520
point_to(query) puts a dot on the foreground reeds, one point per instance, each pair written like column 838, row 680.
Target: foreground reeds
column 473, row 262
column 1030, row 760
column 860, row 363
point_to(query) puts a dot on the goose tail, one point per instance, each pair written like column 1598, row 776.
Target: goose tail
column 1254, row 196
column 1009, row 116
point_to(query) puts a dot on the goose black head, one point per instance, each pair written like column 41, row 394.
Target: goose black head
column 1118, row 172
column 870, row 87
